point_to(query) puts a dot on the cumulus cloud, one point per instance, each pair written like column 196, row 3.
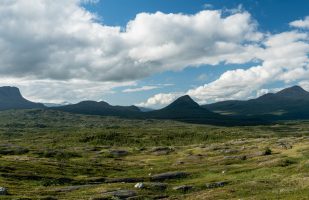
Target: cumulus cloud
column 283, row 56
column 301, row 23
column 60, row 45
column 60, row 40
column 160, row 99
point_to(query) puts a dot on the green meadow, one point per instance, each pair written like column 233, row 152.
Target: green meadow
column 55, row 155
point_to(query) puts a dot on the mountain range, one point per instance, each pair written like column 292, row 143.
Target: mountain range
column 290, row 103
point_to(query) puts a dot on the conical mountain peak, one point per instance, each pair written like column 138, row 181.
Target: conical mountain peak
column 294, row 89
column 293, row 92
column 184, row 102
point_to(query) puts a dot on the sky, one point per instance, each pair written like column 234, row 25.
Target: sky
column 148, row 53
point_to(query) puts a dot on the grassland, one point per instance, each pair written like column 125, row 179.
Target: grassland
column 55, row 155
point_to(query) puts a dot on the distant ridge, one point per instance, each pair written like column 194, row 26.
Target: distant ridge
column 11, row 98
column 182, row 108
column 289, row 103
column 99, row 108
column 185, row 109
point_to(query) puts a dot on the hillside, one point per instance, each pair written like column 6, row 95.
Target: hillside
column 99, row 108
column 57, row 155
column 11, row 98
column 290, row 103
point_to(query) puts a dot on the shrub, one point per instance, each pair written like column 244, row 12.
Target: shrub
column 267, row 151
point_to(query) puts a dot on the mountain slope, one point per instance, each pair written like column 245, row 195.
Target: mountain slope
column 182, row 108
column 289, row 103
column 11, row 98
column 99, row 108
column 186, row 110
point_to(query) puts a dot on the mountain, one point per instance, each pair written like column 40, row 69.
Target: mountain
column 99, row 108
column 11, row 98
column 289, row 103
column 185, row 109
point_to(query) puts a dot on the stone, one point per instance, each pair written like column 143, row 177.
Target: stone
column 3, row 191
column 124, row 180
column 118, row 153
column 122, row 194
column 72, row 188
column 183, row 188
column 169, row 175
column 216, row 184
column 139, row 185
column 161, row 150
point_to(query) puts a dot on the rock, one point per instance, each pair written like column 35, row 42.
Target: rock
column 229, row 151
column 161, row 150
column 122, row 194
column 72, row 188
column 216, row 184
column 183, row 188
column 124, row 180
column 169, row 175
column 3, row 191
column 151, row 186
column 284, row 145
column 139, row 185
column 118, row 153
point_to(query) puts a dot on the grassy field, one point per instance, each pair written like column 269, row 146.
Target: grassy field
column 55, row 155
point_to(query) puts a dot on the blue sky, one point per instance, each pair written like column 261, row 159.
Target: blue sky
column 149, row 53
column 272, row 15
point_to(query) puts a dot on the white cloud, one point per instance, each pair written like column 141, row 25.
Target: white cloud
column 61, row 50
column 61, row 40
column 140, row 89
column 284, row 57
column 301, row 23
column 146, row 88
column 160, row 99
column 305, row 84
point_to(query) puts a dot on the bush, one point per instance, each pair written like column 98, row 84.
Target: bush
column 267, row 151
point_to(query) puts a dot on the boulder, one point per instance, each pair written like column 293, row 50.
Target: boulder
column 118, row 153
column 124, row 180
column 162, row 150
column 152, row 186
column 122, row 194
column 3, row 191
column 139, row 185
column 183, row 188
column 216, row 184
